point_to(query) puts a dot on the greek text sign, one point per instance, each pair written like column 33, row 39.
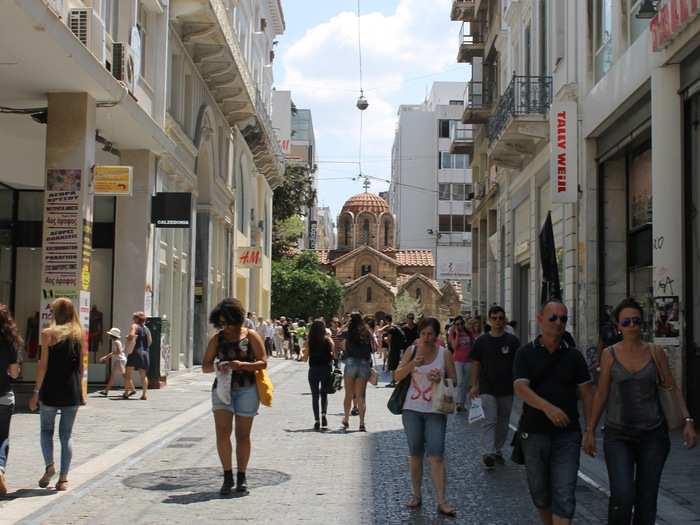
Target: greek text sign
column 113, row 180
column 564, row 152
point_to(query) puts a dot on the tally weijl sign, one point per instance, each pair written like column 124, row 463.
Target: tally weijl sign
column 672, row 16
column 564, row 152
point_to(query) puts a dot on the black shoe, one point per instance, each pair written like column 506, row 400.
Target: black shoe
column 354, row 412
column 391, row 385
column 324, row 422
column 241, row 483
column 488, row 461
column 226, row 488
column 317, row 426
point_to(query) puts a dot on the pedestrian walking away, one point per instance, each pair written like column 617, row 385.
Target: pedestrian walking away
column 425, row 427
column 461, row 340
column 235, row 353
column 358, row 362
column 117, row 359
column 57, row 388
column 492, row 379
column 636, row 439
column 320, row 352
column 410, row 329
column 10, row 345
column 549, row 376
column 138, row 343
column 397, row 343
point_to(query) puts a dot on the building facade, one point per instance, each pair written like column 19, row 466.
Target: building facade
column 178, row 92
column 431, row 187
column 626, row 225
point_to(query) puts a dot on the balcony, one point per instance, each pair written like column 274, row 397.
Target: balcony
column 478, row 98
column 471, row 44
column 462, row 140
column 463, row 10
column 205, row 29
column 520, row 123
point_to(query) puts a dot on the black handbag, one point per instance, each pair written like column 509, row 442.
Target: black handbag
column 335, row 381
column 398, row 396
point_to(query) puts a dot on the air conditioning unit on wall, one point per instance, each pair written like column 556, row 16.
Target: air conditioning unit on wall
column 89, row 29
column 123, row 64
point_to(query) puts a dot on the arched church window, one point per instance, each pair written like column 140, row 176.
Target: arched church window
column 346, row 232
column 386, row 233
column 369, row 295
column 365, row 231
column 365, row 269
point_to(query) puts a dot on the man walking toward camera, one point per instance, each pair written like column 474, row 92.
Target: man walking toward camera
column 492, row 379
column 550, row 373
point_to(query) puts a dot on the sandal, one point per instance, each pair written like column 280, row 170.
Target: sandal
column 345, row 424
column 446, row 510
column 414, row 503
column 363, row 428
column 49, row 473
column 62, row 485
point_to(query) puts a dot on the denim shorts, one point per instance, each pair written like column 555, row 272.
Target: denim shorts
column 552, row 462
column 356, row 368
column 425, row 432
column 244, row 401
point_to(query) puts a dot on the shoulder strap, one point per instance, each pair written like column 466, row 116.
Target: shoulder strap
column 659, row 373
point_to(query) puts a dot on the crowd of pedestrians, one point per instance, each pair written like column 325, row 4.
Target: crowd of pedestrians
column 472, row 367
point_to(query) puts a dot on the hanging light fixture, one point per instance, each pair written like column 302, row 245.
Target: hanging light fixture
column 647, row 9
column 362, row 103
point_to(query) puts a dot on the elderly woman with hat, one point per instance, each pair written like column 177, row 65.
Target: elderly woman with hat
column 118, row 358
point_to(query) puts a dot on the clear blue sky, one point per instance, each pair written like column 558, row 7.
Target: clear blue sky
column 406, row 45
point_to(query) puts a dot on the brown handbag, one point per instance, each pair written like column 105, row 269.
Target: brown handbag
column 668, row 397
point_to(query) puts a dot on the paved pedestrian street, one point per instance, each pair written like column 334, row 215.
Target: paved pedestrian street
column 156, row 462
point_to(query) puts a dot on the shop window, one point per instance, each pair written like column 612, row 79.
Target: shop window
column 369, row 295
column 444, row 192
column 31, row 206
column 640, row 200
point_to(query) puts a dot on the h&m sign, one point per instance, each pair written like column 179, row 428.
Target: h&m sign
column 672, row 16
column 564, row 152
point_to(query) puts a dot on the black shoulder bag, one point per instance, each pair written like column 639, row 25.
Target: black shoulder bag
column 518, row 455
column 398, row 396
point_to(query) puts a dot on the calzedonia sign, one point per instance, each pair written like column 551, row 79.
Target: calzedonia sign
column 171, row 210
column 672, row 16
column 564, row 152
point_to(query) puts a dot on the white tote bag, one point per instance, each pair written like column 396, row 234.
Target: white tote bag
column 476, row 411
column 223, row 385
column 444, row 396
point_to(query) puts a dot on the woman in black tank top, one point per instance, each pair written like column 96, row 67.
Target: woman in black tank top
column 58, row 387
column 235, row 353
column 138, row 343
column 320, row 351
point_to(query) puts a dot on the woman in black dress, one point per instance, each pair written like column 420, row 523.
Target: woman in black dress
column 320, row 353
column 139, row 339
column 10, row 344
column 58, row 386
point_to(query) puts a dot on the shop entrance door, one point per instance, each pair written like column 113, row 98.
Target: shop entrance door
column 692, row 249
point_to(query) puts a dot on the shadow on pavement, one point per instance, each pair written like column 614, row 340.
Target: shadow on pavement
column 28, row 493
column 200, row 497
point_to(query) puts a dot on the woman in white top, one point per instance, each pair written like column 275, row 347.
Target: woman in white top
column 425, row 428
column 118, row 360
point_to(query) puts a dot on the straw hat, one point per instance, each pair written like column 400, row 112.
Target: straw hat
column 115, row 332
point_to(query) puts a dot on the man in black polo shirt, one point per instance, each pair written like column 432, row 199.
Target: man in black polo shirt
column 410, row 330
column 397, row 343
column 492, row 379
column 549, row 374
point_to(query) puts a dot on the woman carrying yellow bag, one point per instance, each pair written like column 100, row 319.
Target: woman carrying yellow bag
column 237, row 355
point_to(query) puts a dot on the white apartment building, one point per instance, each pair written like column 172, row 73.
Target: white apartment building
column 431, row 181
column 177, row 91
column 629, row 227
column 326, row 238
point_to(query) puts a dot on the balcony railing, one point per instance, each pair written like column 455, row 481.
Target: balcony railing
column 463, row 134
column 524, row 96
column 478, row 95
column 462, row 10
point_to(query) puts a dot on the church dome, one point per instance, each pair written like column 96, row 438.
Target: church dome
column 368, row 202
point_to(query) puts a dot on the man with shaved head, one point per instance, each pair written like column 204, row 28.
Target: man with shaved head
column 549, row 375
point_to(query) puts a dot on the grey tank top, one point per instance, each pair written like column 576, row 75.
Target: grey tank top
column 633, row 402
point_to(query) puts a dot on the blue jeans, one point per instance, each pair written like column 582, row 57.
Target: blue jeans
column 425, row 432
column 552, row 462
column 5, row 416
column 65, row 429
column 635, row 463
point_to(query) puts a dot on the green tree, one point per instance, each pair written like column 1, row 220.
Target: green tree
column 285, row 235
column 289, row 202
column 300, row 288
column 404, row 304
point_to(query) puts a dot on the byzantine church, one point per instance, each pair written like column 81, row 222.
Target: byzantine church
column 374, row 271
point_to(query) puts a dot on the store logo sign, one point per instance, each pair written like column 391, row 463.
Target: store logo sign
column 564, row 152
column 671, row 18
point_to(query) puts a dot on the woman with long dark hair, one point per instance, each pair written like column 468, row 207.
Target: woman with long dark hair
column 10, row 344
column 236, row 353
column 58, row 386
column 138, row 343
column 636, row 440
column 358, row 362
column 320, row 352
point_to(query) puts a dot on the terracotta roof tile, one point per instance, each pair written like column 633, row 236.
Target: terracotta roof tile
column 415, row 258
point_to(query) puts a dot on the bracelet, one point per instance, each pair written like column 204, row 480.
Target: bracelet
column 689, row 419
column 36, row 390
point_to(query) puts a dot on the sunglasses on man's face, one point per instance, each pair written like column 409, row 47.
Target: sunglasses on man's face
column 636, row 321
column 563, row 318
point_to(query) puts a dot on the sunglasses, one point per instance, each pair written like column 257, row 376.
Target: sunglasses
column 636, row 321
column 563, row 318
column 498, row 318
